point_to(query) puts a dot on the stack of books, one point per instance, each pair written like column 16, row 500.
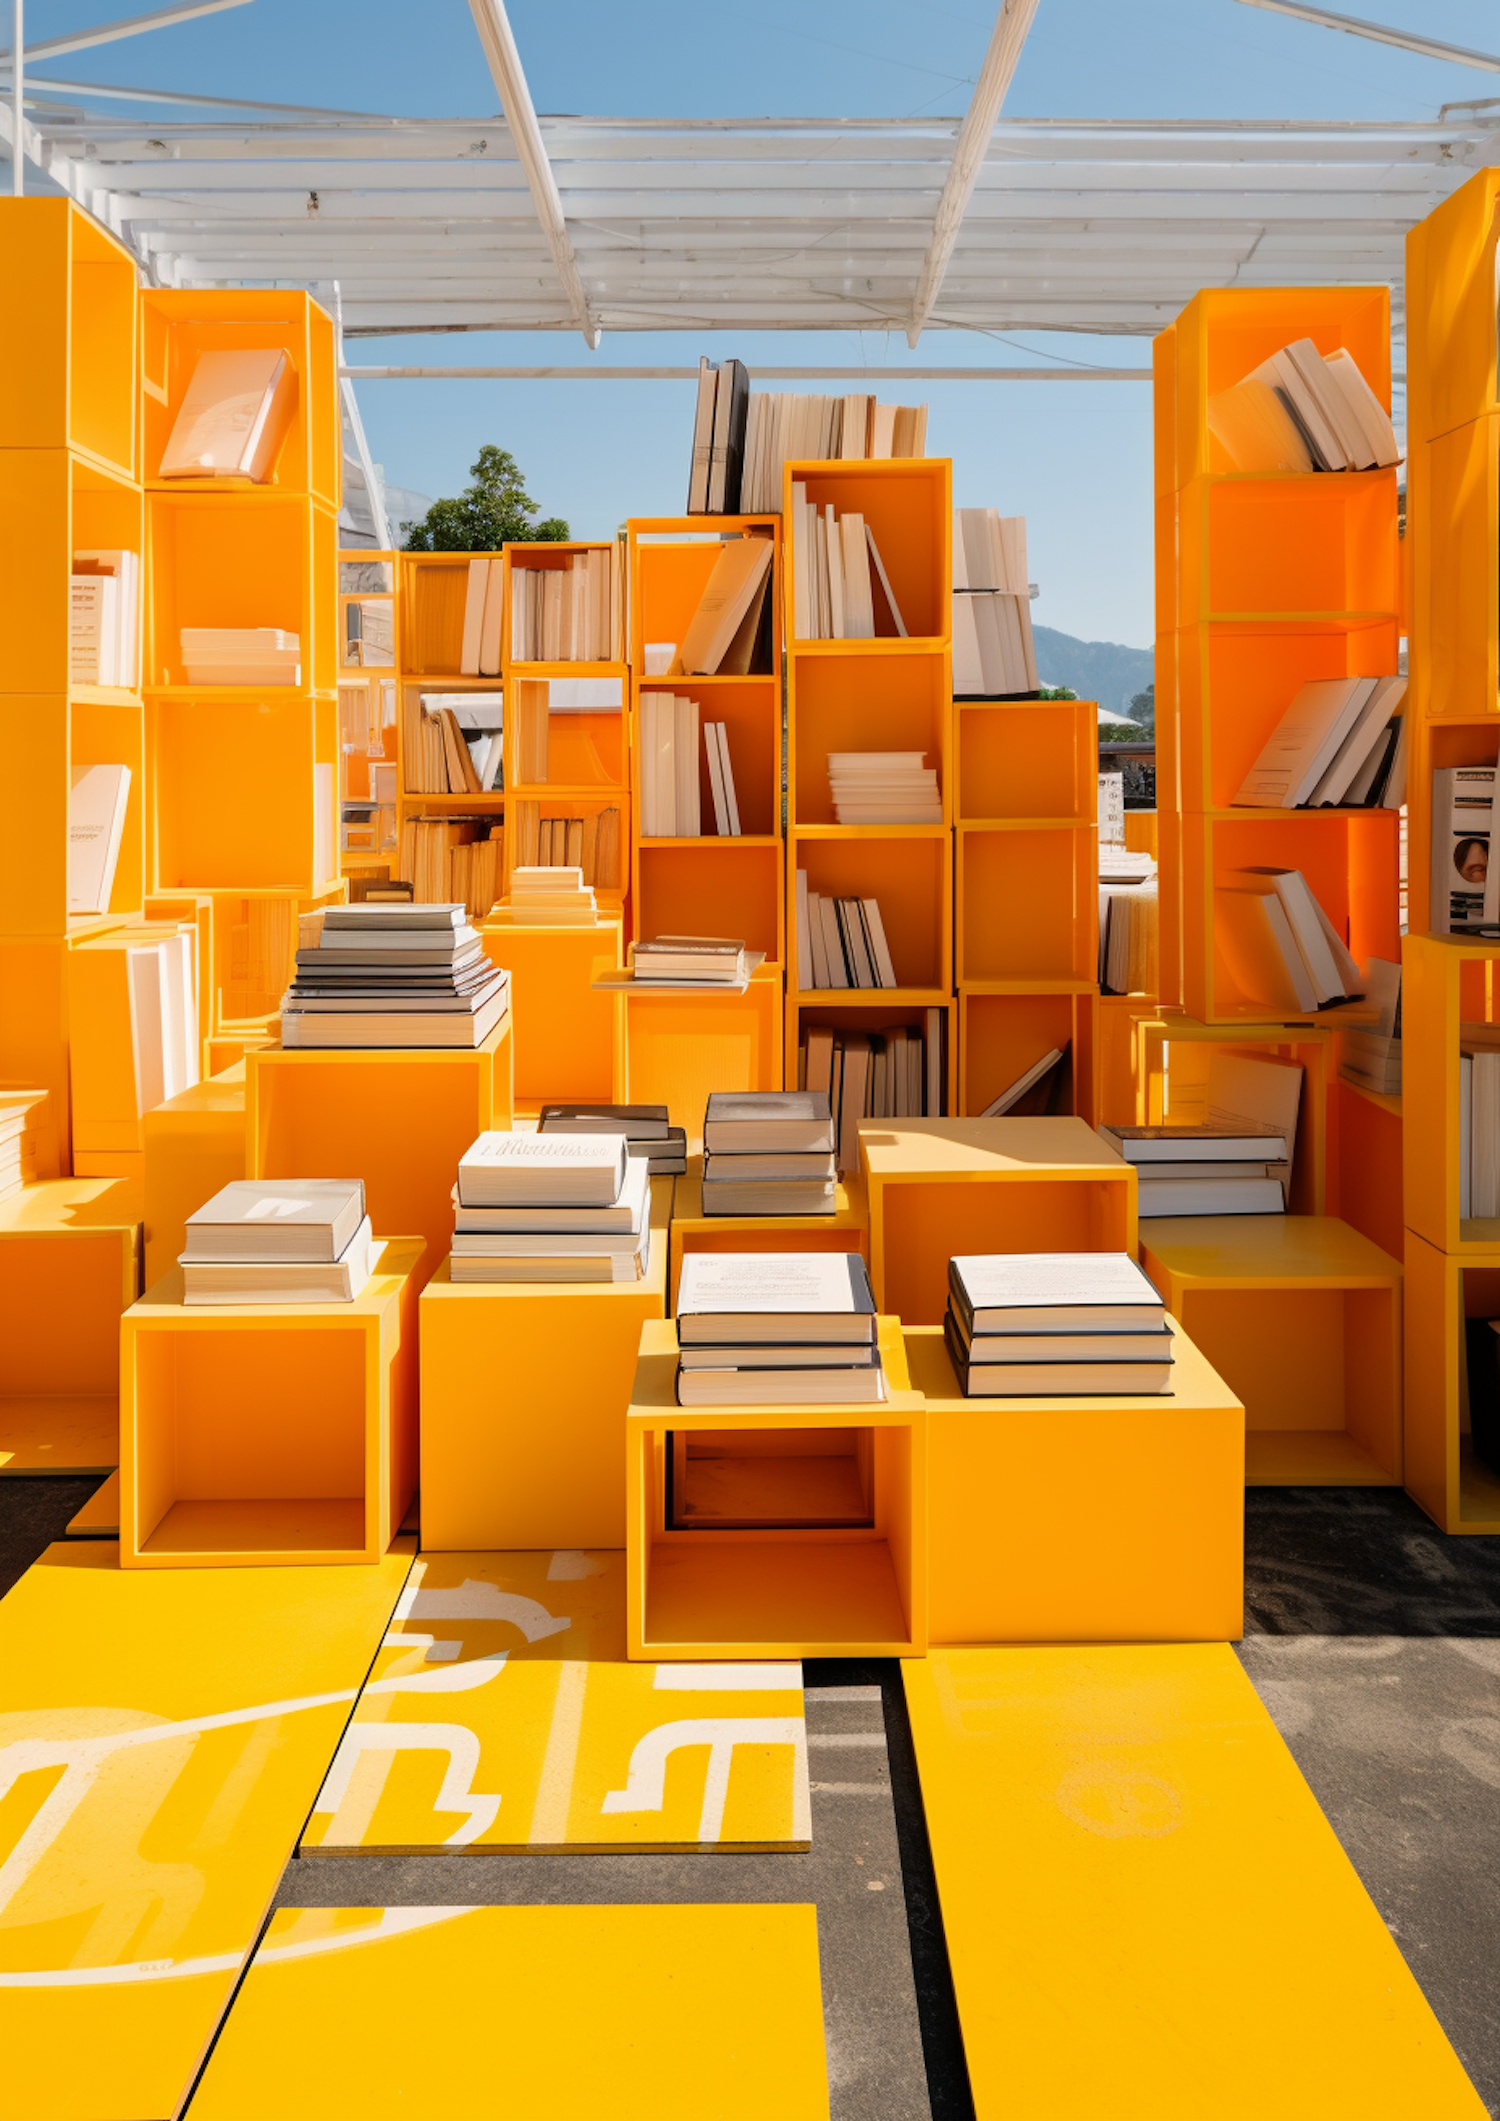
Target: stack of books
column 841, row 941
column 1238, row 1169
column 18, row 1115
column 241, row 655
column 552, row 898
column 279, row 1241
column 566, row 614
column 797, row 427
column 884, row 788
column 551, row 1207
column 1302, row 410
column 840, row 588
column 702, row 960
column 104, row 619
column 452, row 744
column 1075, row 1324
column 1341, row 744
column 776, row 1329
column 1280, row 945
column 1478, row 1120
column 647, row 1129
column 1370, row 1054
column 391, row 975
column 994, row 654
column 769, row 1152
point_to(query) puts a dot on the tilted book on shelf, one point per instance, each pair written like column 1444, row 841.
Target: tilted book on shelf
column 234, row 417
column 97, row 806
column 729, row 630
column 1303, row 411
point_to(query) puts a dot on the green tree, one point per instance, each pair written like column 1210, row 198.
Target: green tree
column 1143, row 708
column 496, row 510
column 1056, row 692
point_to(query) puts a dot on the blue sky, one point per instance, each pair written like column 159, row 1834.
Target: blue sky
column 1074, row 459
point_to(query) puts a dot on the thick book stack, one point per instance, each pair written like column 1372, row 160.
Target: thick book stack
column 1478, row 1120
column 234, row 416
column 567, row 614
column 1038, row 1092
column 671, row 785
column 1370, row 1054
column 1302, row 410
column 1280, row 945
column 840, row 589
column 1465, row 882
column 551, row 1207
column 560, row 841
column 97, row 803
column 1340, row 745
column 454, row 859
column 768, row 1152
column 279, row 1241
column 793, row 427
column 452, row 745
column 1129, row 926
column 19, row 1110
column 702, row 960
column 241, row 655
column 388, row 975
column 104, row 619
column 841, row 941
column 884, row 788
column 994, row 654
column 776, row 1329
column 898, row 1073
column 1075, row 1324
column 552, row 898
column 647, row 1129
column 1209, row 1170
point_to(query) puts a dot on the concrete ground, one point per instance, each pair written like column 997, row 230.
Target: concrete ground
column 1374, row 1642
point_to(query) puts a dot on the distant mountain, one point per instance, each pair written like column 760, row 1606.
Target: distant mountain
column 1096, row 670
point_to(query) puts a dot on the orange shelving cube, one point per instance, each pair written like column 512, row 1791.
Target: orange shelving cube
column 1004, row 1030
column 680, row 1047
column 569, row 1037
column 1172, row 1070
column 68, row 365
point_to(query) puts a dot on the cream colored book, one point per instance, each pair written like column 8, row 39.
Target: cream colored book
column 738, row 572
column 234, row 417
column 97, row 805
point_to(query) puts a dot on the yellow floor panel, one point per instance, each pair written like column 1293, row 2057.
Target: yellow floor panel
column 501, row 1714
column 433, row 2014
column 162, row 1736
column 1147, row 1915
column 78, row 1434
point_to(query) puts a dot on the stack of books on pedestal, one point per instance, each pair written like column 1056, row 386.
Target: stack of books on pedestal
column 1241, row 1169
column 1078, row 1324
column 647, row 1129
column 552, row 898
column 19, row 1110
column 769, row 1152
column 551, row 1207
column 391, row 975
column 279, row 1241
column 707, row 960
column 776, row 1329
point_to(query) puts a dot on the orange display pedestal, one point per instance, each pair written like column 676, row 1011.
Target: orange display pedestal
column 569, row 1039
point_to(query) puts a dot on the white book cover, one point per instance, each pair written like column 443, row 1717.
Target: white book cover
column 685, row 794
column 148, row 1024
column 93, row 609
column 1374, row 420
column 1308, row 930
column 1369, row 726
column 1304, row 742
column 97, row 805
column 528, row 1169
column 1023, row 1280
column 233, row 400
column 734, row 1283
column 838, row 609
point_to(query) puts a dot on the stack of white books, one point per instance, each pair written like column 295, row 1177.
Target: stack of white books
column 884, row 788
column 551, row 1207
column 776, row 1329
column 1233, row 1169
column 769, row 1152
column 241, row 655
column 1340, row 745
column 841, row 942
column 279, row 1241
column 19, row 1111
column 707, row 960
column 551, row 898
column 1077, row 1324
column 378, row 974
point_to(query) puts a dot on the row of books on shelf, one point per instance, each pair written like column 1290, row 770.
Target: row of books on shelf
column 884, row 788
column 668, row 751
column 898, row 1073
column 768, row 1153
column 453, row 859
column 453, row 744
column 1479, row 1120
column 589, row 841
column 391, row 975
column 20, row 1113
column 840, row 589
column 742, row 439
column 1341, row 744
column 1280, row 944
column 104, row 619
column 144, row 978
column 572, row 613
column 841, row 942
column 1302, row 410
column 369, row 633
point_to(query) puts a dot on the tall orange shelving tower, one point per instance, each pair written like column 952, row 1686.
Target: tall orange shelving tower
column 1453, row 518
column 1265, row 581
